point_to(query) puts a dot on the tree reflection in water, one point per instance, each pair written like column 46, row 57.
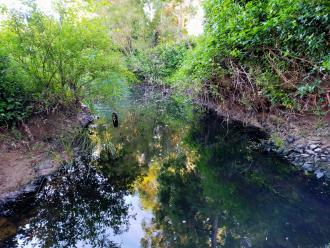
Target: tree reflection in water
column 232, row 194
column 205, row 181
column 78, row 206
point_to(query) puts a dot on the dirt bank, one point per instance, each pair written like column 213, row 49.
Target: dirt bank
column 35, row 149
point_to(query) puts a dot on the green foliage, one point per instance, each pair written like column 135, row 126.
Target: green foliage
column 12, row 95
column 270, row 85
column 110, row 152
column 168, row 22
column 129, row 26
column 158, row 64
column 281, row 48
column 297, row 27
column 253, row 53
column 306, row 89
column 198, row 65
column 62, row 58
column 277, row 140
column 59, row 60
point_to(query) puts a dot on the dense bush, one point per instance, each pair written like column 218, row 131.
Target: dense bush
column 296, row 27
column 60, row 61
column 273, row 50
column 13, row 96
column 159, row 63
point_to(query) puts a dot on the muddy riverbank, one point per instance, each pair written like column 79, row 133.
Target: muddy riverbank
column 30, row 152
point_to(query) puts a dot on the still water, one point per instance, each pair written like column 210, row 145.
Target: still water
column 171, row 175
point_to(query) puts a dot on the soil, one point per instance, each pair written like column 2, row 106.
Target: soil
column 306, row 126
column 34, row 149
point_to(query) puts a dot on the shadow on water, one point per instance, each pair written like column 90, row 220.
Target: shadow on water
column 171, row 175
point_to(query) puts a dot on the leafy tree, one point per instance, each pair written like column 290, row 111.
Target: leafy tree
column 127, row 23
column 66, row 58
column 158, row 64
column 169, row 21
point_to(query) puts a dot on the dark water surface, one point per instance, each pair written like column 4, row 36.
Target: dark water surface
column 171, row 175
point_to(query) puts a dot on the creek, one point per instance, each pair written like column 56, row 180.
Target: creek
column 172, row 174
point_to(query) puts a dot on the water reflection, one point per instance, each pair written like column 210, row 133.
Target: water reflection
column 233, row 195
column 77, row 207
column 172, row 175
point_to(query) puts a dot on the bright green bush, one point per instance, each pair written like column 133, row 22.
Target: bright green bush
column 59, row 62
column 158, row 64
column 279, row 46
column 64, row 60
column 13, row 96
column 198, row 64
column 296, row 27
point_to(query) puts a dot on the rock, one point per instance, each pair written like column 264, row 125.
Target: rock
column 324, row 158
column 299, row 150
column 318, row 150
column 29, row 188
column 286, row 152
column 85, row 119
column 307, row 167
column 327, row 174
column 317, row 159
column 290, row 139
column 313, row 146
column 319, row 174
column 311, row 152
column 304, row 155
column 300, row 146
column 292, row 156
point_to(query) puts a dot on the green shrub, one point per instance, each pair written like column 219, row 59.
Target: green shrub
column 296, row 27
column 158, row 64
column 305, row 89
column 277, row 140
column 13, row 103
column 277, row 47
column 199, row 64
column 64, row 61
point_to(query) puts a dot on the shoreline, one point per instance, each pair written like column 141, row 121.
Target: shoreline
column 295, row 138
column 41, row 147
column 308, row 151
